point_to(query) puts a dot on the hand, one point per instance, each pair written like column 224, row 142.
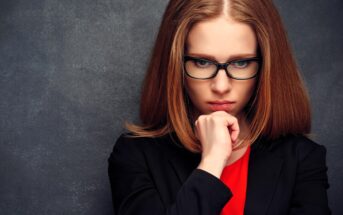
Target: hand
column 217, row 132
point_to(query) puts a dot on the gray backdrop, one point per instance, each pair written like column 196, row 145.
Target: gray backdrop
column 70, row 74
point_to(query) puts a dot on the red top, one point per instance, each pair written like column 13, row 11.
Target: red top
column 235, row 176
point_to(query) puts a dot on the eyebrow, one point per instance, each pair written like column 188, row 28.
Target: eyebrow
column 232, row 57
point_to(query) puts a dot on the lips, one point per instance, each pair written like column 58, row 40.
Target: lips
column 221, row 105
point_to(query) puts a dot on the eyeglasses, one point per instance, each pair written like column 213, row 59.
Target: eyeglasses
column 240, row 69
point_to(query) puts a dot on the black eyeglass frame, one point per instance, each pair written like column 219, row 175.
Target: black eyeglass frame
column 221, row 66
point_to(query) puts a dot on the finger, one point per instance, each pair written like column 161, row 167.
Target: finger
column 234, row 127
column 231, row 122
column 196, row 130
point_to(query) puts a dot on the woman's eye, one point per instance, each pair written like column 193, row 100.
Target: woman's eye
column 240, row 64
column 201, row 63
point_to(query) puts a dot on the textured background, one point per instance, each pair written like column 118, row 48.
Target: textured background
column 70, row 74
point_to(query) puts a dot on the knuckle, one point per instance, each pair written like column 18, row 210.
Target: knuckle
column 214, row 119
column 235, row 119
column 201, row 118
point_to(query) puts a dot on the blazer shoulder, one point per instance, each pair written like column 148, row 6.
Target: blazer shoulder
column 300, row 145
column 128, row 143
column 127, row 140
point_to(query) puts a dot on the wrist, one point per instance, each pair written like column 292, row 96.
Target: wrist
column 213, row 165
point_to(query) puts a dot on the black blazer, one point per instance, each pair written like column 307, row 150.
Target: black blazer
column 156, row 176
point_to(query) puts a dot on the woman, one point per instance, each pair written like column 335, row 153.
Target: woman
column 224, row 120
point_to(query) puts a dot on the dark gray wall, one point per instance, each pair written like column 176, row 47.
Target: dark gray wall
column 70, row 74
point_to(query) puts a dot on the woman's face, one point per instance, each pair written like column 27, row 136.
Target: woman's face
column 221, row 40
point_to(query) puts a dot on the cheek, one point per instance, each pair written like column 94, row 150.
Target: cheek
column 192, row 89
column 247, row 91
column 197, row 91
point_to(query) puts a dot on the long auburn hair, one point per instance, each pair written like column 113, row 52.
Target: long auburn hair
column 280, row 104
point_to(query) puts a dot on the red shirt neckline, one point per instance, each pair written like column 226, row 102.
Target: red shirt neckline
column 235, row 177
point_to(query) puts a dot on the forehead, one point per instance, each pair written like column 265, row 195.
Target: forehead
column 221, row 38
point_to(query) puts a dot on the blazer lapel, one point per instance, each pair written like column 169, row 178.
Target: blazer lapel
column 263, row 174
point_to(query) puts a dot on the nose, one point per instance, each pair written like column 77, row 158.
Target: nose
column 221, row 84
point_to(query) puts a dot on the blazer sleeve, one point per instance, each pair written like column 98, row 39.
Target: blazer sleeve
column 310, row 191
column 134, row 192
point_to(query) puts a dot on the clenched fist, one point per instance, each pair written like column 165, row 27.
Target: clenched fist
column 217, row 132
